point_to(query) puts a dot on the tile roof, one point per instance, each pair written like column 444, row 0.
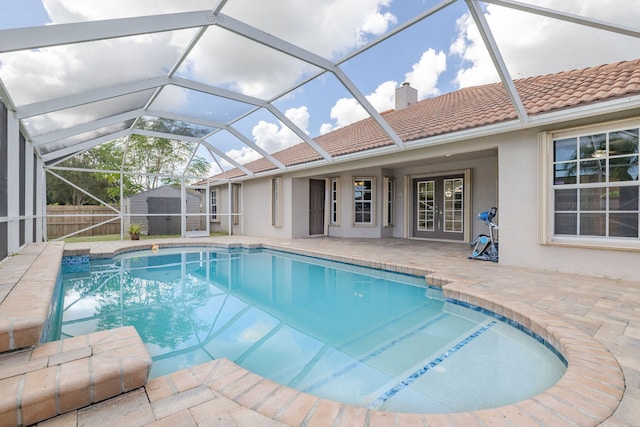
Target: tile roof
column 468, row 108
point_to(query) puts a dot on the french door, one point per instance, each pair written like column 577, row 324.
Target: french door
column 438, row 207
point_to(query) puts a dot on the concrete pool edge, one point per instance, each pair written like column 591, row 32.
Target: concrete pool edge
column 588, row 393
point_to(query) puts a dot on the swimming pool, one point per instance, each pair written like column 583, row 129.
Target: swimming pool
column 357, row 335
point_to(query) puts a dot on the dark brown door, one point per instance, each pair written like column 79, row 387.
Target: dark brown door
column 438, row 207
column 316, row 206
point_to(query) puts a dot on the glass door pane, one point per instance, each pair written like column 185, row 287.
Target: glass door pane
column 425, row 215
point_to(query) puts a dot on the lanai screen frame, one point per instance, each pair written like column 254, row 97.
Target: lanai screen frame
column 26, row 180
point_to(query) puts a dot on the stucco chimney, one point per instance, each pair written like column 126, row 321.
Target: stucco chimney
column 405, row 96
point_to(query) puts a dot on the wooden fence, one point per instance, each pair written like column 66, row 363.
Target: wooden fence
column 79, row 217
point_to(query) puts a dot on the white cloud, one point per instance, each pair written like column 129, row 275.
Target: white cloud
column 532, row 45
column 328, row 28
column 424, row 74
column 272, row 137
column 242, row 156
column 348, row 110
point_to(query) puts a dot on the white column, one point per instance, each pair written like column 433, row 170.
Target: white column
column 28, row 192
column 13, row 182
column 183, row 208
column 41, row 201
column 230, row 187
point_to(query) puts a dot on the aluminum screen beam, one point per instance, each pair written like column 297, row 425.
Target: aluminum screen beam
column 568, row 17
column 50, row 137
column 498, row 61
column 28, row 38
column 84, row 98
column 292, row 50
column 154, row 134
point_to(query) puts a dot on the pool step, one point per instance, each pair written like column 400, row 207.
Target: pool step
column 27, row 281
column 61, row 376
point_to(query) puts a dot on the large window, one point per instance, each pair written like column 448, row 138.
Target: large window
column 363, row 201
column 595, row 183
column 334, row 201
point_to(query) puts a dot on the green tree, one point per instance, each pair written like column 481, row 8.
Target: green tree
column 100, row 184
column 150, row 156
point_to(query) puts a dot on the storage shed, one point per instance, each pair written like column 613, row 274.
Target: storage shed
column 158, row 210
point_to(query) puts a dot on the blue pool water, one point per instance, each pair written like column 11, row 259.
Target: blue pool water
column 357, row 335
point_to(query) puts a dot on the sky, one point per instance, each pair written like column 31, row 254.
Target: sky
column 438, row 55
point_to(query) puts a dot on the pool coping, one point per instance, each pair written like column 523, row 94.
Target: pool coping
column 587, row 394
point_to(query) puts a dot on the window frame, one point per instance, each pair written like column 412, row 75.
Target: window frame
column 236, row 205
column 371, row 202
column 547, row 189
column 276, row 201
column 388, row 201
column 334, row 201
column 213, row 200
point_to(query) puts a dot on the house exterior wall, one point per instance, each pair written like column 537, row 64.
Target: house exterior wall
column 484, row 191
column 221, row 224
column 295, row 195
column 505, row 172
column 297, row 205
column 519, row 220
column 346, row 227
column 257, row 213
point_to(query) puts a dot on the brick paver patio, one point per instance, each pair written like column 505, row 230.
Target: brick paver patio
column 594, row 321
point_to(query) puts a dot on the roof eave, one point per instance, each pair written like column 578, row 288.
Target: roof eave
column 544, row 119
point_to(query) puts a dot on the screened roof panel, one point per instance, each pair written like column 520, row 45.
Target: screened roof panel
column 176, row 127
column 621, row 12
column 523, row 56
column 255, row 69
column 230, row 61
column 423, row 65
column 226, row 141
column 94, row 10
column 82, row 67
column 199, row 105
column 320, row 27
column 85, row 114
column 326, row 112
column 84, row 137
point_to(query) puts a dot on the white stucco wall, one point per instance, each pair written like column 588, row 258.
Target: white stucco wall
column 518, row 183
column 484, row 176
column 298, row 205
column 346, row 227
column 504, row 173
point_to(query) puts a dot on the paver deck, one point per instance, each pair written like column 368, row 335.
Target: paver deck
column 594, row 321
